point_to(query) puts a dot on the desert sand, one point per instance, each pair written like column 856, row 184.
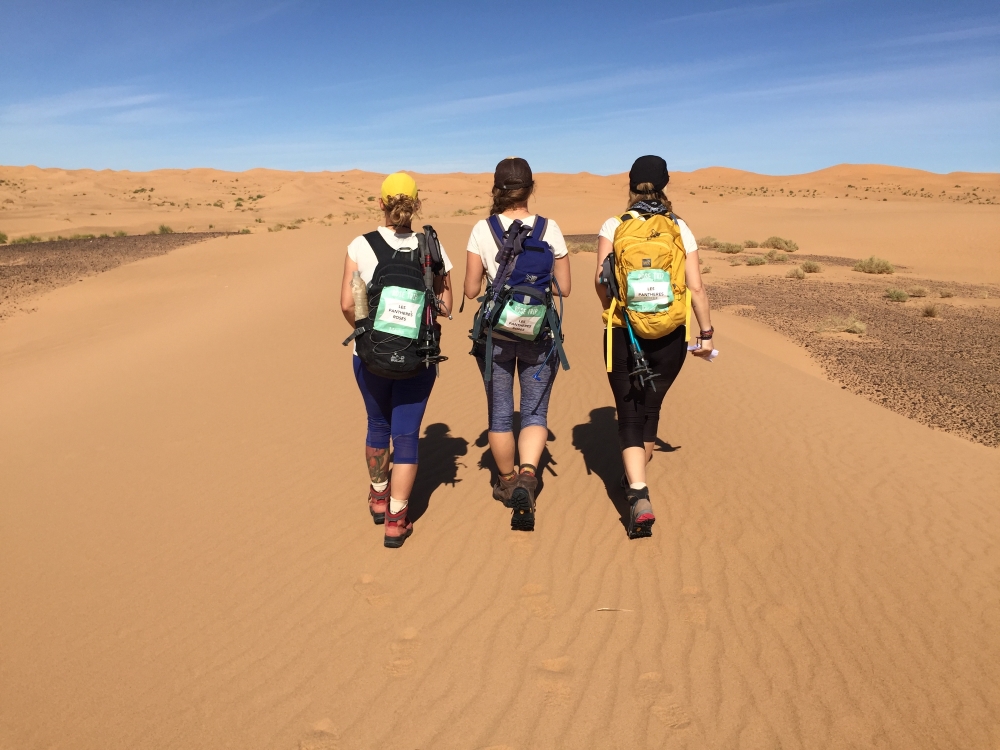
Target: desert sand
column 187, row 559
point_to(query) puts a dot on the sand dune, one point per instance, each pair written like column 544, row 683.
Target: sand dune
column 947, row 226
column 186, row 559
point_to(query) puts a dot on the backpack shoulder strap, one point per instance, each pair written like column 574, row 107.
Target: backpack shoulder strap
column 496, row 229
column 538, row 230
column 382, row 249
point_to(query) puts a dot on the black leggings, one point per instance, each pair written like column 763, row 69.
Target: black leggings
column 639, row 408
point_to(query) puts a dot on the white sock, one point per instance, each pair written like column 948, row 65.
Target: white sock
column 638, row 485
column 396, row 505
column 380, row 486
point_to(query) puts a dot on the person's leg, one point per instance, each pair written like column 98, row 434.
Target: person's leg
column 536, row 377
column 409, row 402
column 666, row 357
column 500, row 403
column 630, row 407
column 377, row 394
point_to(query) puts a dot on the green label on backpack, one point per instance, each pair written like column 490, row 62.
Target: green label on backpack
column 524, row 321
column 649, row 291
column 400, row 311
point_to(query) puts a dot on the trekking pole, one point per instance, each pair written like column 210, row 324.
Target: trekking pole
column 642, row 369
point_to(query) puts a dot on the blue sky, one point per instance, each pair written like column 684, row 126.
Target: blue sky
column 773, row 87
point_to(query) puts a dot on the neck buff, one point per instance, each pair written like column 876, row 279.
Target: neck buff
column 649, row 207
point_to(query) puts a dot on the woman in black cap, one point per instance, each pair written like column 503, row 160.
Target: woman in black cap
column 529, row 359
column 648, row 280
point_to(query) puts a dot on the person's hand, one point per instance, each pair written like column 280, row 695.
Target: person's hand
column 704, row 348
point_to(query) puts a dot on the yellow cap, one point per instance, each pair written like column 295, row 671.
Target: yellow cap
column 399, row 183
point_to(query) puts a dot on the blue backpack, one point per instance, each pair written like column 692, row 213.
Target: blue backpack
column 519, row 302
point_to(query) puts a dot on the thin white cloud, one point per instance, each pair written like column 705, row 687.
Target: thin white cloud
column 943, row 37
column 742, row 10
column 110, row 99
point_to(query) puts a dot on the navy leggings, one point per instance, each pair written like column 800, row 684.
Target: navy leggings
column 395, row 410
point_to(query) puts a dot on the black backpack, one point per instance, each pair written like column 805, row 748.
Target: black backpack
column 399, row 334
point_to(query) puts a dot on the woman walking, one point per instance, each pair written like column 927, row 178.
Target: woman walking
column 395, row 283
column 524, row 260
column 648, row 280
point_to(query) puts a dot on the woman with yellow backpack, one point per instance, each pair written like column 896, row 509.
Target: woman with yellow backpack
column 649, row 282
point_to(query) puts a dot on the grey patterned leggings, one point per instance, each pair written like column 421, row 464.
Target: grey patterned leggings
column 528, row 358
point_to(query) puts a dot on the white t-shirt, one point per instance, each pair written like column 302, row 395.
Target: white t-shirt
column 687, row 236
column 481, row 241
column 361, row 252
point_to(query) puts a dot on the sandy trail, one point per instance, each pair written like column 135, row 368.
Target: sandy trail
column 186, row 559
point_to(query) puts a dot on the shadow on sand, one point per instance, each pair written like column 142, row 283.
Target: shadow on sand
column 597, row 440
column 439, row 454
column 486, row 460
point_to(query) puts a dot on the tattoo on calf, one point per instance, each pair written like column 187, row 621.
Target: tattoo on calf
column 378, row 463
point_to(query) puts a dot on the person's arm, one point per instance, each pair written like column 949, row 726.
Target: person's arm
column 699, row 301
column 563, row 276
column 346, row 298
column 474, row 273
column 604, row 248
column 442, row 288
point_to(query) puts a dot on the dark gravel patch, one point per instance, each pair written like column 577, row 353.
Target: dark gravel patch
column 581, row 243
column 943, row 371
column 27, row 271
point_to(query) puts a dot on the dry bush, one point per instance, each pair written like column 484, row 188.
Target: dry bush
column 812, row 267
column 708, row 241
column 850, row 324
column 779, row 243
column 120, row 233
column 796, row 273
column 164, row 229
column 30, row 239
column 874, row 265
column 930, row 310
column 896, row 295
column 730, row 248
column 918, row 291
column 736, row 262
column 946, row 293
column 706, row 269
column 756, row 260
column 773, row 256
column 3, row 238
column 750, row 243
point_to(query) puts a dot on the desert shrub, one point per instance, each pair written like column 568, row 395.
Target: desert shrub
column 811, row 267
column 164, row 229
column 730, row 248
column 243, row 231
column 26, row 240
column 896, row 295
column 850, row 324
column 708, row 241
column 773, row 256
column 736, row 262
column 945, row 293
column 874, row 265
column 796, row 273
column 706, row 269
column 778, row 243
column 104, row 235
column 756, row 260
column 750, row 243
column 218, row 204
column 929, row 310
column 120, row 233
column 3, row 238
column 918, row 291
column 371, row 198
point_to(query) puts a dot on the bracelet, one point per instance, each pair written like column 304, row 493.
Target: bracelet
column 707, row 334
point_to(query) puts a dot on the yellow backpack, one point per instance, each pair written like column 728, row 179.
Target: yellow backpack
column 648, row 275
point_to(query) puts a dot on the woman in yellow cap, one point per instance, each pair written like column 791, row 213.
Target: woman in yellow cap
column 393, row 264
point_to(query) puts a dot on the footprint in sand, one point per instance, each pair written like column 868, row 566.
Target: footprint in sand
column 651, row 687
column 403, row 650
column 555, row 681
column 693, row 609
column 371, row 590
column 521, row 544
column 672, row 714
column 534, row 599
column 322, row 737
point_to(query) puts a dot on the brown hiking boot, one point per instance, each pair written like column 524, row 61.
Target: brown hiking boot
column 503, row 489
column 641, row 518
column 522, row 502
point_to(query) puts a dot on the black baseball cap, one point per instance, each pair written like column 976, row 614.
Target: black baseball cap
column 648, row 169
column 512, row 173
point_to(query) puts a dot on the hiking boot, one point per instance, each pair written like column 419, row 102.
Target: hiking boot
column 503, row 489
column 641, row 518
column 378, row 503
column 522, row 503
column 397, row 528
